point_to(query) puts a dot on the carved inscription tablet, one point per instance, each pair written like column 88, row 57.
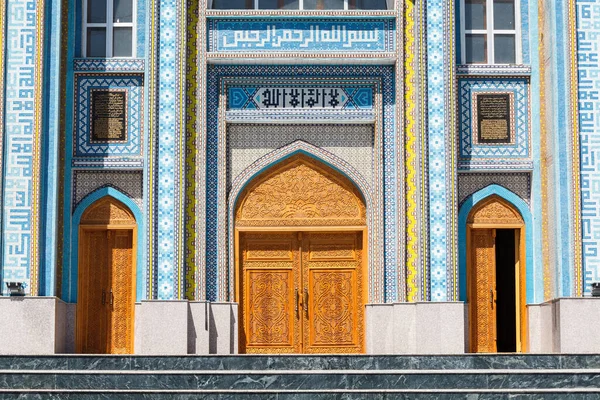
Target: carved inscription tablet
column 109, row 116
column 493, row 118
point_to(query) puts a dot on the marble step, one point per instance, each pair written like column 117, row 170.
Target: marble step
column 300, row 362
column 260, row 380
column 395, row 394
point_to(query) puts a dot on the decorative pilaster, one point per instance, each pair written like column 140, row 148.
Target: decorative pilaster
column 166, row 148
column 441, row 143
column 22, row 122
column 576, row 217
column 588, row 32
column 399, row 292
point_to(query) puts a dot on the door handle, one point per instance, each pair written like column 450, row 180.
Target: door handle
column 306, row 302
column 103, row 297
column 492, row 298
column 111, row 297
column 298, row 300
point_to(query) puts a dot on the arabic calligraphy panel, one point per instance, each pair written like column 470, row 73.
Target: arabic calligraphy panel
column 295, row 35
column 300, row 97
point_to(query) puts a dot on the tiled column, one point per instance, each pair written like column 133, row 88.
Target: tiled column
column 442, row 168
column 166, row 149
column 21, row 135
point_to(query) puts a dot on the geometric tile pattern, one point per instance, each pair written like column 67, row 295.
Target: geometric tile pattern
column 21, row 132
column 517, row 182
column 239, row 98
column 216, row 244
column 494, row 156
column 167, row 202
column 437, row 116
column 413, row 245
column 109, row 64
column 86, row 182
column 2, row 110
column 301, row 35
column 246, row 143
column 131, row 148
column 588, row 41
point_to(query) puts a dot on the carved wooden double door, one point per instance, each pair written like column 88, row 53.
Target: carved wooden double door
column 302, row 292
column 106, row 292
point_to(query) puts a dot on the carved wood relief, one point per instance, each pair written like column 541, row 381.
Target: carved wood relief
column 494, row 210
column 483, row 288
column 270, row 308
column 107, row 211
column 335, row 282
column 333, row 308
column 300, row 192
column 106, row 279
column 121, row 243
column 92, row 315
column 303, row 304
column 270, row 269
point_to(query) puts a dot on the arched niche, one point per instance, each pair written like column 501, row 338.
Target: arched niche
column 300, row 192
column 107, row 211
column 494, row 210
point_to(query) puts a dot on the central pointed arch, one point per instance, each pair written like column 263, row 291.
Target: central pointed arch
column 300, row 192
column 373, row 219
column 299, row 234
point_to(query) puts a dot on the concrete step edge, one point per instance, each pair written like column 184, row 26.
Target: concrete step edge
column 303, row 391
column 304, row 372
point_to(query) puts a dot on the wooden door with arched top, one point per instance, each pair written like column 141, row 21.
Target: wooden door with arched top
column 106, row 279
column 496, row 277
column 300, row 233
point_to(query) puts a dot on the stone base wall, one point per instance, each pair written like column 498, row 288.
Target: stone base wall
column 186, row 327
column 565, row 325
column 416, row 328
column 46, row 325
column 35, row 325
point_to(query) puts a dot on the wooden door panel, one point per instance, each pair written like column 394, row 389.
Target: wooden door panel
column 270, row 270
column 122, row 301
column 270, row 308
column 332, row 279
column 332, row 308
column 92, row 313
column 482, row 291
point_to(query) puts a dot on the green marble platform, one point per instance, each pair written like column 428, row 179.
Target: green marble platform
column 301, row 377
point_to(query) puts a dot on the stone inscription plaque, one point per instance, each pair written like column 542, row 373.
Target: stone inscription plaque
column 493, row 118
column 109, row 116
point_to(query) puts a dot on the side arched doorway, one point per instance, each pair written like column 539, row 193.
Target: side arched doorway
column 106, row 278
column 496, row 291
column 300, row 231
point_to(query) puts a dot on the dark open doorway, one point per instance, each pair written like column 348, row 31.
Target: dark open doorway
column 506, row 306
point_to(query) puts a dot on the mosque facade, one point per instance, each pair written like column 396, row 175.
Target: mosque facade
column 299, row 176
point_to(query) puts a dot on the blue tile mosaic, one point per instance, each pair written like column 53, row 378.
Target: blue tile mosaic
column 301, row 35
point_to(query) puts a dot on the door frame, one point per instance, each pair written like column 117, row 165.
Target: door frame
column 520, row 279
column 83, row 269
column 280, row 229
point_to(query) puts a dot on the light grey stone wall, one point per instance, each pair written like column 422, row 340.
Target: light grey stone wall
column 182, row 327
column 162, row 327
column 34, row 325
column 223, row 326
column 416, row 328
column 198, row 327
column 565, row 325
